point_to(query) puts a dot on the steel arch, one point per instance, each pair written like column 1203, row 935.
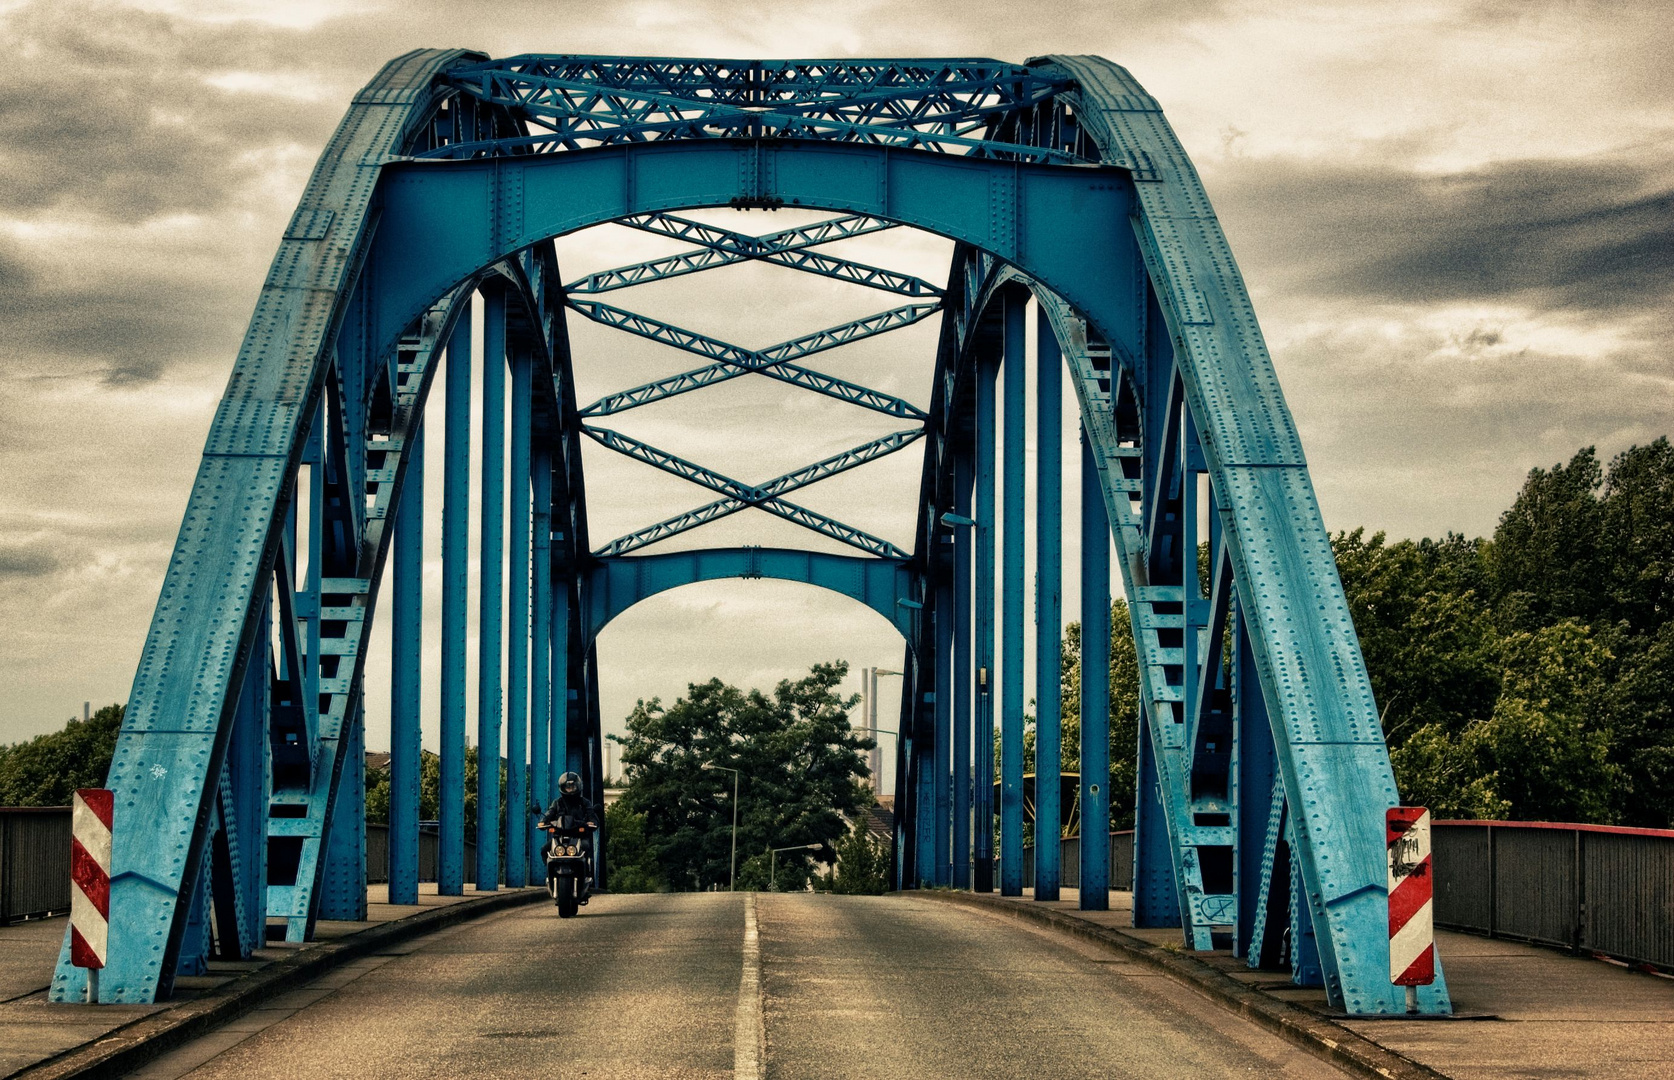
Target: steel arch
column 1264, row 778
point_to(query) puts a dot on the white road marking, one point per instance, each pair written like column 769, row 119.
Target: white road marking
column 748, row 1036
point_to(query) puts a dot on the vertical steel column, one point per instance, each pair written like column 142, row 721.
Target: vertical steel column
column 565, row 698
column 1156, row 895
column 343, row 886
column 517, row 686
column 1255, row 765
column 982, row 791
column 1011, row 600
column 407, row 659
column 1095, row 684
column 941, row 756
column 540, row 653
column 492, row 596
column 961, row 878
column 456, row 504
column 1049, row 605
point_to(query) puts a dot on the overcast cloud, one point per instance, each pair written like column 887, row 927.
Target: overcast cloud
column 1456, row 218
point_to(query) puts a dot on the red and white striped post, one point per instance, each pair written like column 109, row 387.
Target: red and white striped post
column 90, row 883
column 1412, row 934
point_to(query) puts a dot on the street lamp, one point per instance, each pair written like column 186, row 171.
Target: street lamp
column 875, row 756
column 732, row 867
column 773, row 863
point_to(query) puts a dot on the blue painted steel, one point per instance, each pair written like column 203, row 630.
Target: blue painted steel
column 518, row 755
column 616, row 583
column 543, row 703
column 731, row 361
column 406, row 678
column 343, row 892
column 941, row 756
column 456, row 502
column 491, row 596
column 962, row 686
column 1063, row 168
column 723, row 247
column 1094, row 889
column 1011, row 600
column 982, row 792
column 1255, row 772
column 1049, row 605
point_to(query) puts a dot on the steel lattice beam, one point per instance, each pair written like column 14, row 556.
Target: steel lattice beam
column 734, row 360
column 738, row 496
column 722, row 247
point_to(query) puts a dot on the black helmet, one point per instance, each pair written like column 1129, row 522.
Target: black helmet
column 569, row 783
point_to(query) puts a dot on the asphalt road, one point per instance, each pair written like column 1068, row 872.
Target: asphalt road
column 752, row 986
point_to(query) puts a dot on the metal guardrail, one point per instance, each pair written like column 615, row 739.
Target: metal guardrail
column 430, row 853
column 1592, row 888
column 1069, row 873
column 34, row 862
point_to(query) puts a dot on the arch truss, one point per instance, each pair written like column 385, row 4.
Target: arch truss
column 1263, row 773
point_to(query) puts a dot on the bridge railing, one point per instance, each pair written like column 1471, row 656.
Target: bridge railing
column 430, row 853
column 34, row 861
column 1593, row 888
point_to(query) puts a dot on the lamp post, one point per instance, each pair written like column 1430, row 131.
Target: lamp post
column 773, row 863
column 732, row 867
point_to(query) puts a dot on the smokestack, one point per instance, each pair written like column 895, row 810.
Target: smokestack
column 86, row 711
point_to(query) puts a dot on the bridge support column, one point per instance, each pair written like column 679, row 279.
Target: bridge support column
column 982, row 791
column 542, row 707
column 1095, row 685
column 1049, row 606
column 456, row 499
column 1156, row 897
column 961, row 878
column 517, row 686
column 492, row 595
column 407, row 665
column 941, row 869
column 1011, row 618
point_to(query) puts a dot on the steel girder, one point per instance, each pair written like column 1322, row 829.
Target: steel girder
column 1264, row 776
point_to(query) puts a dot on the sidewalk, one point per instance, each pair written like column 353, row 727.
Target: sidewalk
column 33, row 1031
column 1525, row 1011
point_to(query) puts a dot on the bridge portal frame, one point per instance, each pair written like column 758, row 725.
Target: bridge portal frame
column 1075, row 190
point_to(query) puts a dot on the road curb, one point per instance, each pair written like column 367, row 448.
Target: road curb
column 133, row 1045
column 1325, row 1039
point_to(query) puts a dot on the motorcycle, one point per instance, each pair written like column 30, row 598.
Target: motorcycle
column 569, row 864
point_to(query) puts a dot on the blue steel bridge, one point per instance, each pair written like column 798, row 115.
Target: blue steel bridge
column 1263, row 772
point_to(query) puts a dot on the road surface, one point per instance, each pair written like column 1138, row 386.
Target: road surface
column 755, row 986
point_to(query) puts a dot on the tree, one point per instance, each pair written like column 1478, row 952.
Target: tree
column 863, row 866
column 799, row 766
column 46, row 770
column 1124, row 712
column 1550, row 558
column 628, row 852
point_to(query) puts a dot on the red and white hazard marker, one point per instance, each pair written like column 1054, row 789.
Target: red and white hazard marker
column 90, row 878
column 1412, row 935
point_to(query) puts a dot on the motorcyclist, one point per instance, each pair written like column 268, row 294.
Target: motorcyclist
column 573, row 804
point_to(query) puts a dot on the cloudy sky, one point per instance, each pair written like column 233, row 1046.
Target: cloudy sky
column 1456, row 218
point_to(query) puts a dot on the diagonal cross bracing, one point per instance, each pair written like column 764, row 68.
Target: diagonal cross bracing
column 723, row 247
column 766, row 496
column 939, row 112
column 773, row 361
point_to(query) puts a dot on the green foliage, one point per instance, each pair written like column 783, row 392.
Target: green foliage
column 862, row 864
column 430, row 791
column 798, row 761
column 631, row 860
column 46, row 770
column 1532, row 676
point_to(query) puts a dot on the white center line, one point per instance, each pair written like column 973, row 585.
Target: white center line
column 748, row 1036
